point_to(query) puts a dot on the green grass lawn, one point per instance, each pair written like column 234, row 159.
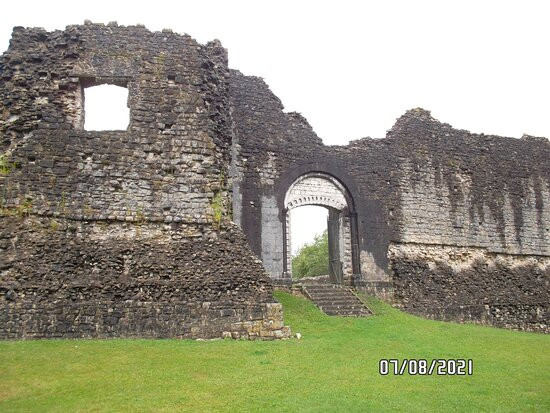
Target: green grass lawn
column 334, row 367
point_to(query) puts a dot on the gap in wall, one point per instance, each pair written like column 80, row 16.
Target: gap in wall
column 106, row 108
column 307, row 223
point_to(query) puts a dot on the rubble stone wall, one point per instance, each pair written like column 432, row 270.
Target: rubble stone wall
column 472, row 284
column 169, row 164
column 129, row 232
column 122, row 233
column 423, row 195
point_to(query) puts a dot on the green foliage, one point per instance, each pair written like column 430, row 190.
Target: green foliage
column 54, row 225
column 312, row 259
column 6, row 166
column 333, row 368
column 62, row 204
column 217, row 209
column 140, row 216
column 20, row 211
column 25, row 208
column 217, row 204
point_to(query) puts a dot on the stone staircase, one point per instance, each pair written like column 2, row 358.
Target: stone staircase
column 336, row 300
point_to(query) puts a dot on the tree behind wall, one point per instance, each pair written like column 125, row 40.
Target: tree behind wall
column 312, row 259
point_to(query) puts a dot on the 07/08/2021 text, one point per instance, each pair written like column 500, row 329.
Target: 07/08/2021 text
column 423, row 367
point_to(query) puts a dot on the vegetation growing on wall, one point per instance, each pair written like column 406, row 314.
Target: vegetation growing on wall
column 217, row 209
column 22, row 210
column 219, row 202
column 312, row 259
column 6, row 166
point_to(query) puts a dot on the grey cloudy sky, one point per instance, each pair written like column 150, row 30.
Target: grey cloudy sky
column 353, row 67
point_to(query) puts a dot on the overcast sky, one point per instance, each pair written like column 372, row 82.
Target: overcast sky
column 353, row 67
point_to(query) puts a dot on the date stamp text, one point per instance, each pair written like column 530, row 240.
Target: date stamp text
column 423, row 367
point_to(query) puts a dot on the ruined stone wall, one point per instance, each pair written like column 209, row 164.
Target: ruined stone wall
column 451, row 225
column 68, row 278
column 272, row 149
column 129, row 233
column 122, row 233
column 474, row 239
column 466, row 189
column 168, row 165
column 262, row 132
column 461, row 283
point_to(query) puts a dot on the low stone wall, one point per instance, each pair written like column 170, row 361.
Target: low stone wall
column 24, row 319
column 68, row 278
column 469, row 284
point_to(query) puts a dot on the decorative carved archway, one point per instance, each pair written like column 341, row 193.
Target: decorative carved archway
column 321, row 189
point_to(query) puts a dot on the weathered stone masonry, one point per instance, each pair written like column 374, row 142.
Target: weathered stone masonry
column 129, row 233
column 450, row 225
column 122, row 233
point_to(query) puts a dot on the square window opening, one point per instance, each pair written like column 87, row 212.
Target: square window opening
column 104, row 106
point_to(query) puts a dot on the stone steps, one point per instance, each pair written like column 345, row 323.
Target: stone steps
column 335, row 300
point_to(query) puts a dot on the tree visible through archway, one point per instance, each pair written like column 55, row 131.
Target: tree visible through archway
column 309, row 240
column 323, row 190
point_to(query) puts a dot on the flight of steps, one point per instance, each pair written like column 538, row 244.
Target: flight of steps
column 335, row 300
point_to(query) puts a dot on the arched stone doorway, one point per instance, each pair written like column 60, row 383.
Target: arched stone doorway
column 321, row 189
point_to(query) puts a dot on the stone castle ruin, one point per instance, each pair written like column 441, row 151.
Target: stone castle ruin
column 179, row 225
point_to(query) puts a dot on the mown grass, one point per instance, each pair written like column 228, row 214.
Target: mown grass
column 333, row 368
